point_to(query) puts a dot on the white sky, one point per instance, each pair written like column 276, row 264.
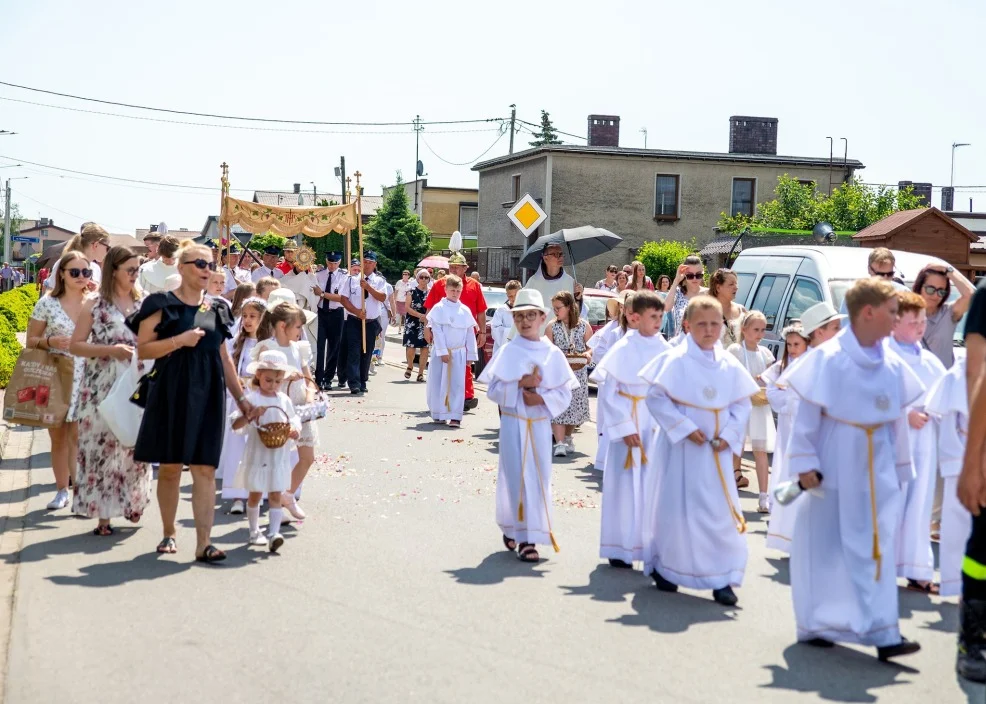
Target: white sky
column 901, row 80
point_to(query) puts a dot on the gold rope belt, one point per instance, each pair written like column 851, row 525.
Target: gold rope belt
column 636, row 422
column 529, row 438
column 738, row 518
column 448, row 388
column 870, row 430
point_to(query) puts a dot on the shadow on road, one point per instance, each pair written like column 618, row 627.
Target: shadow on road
column 81, row 543
column 673, row 613
column 949, row 621
column 812, row 670
column 609, row 584
column 113, row 574
column 783, row 570
column 14, row 495
column 496, row 568
column 591, row 477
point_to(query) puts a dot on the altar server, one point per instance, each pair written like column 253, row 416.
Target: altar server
column 851, row 429
column 915, row 561
column 600, row 343
column 453, row 331
column 630, row 429
column 531, row 381
column 700, row 398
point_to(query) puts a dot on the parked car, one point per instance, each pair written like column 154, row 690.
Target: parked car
column 783, row 282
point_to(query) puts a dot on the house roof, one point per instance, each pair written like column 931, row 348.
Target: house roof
column 289, row 199
column 182, row 234
column 127, row 241
column 66, row 231
column 721, row 245
column 894, row 223
column 666, row 154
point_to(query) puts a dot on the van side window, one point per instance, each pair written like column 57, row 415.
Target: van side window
column 806, row 294
column 769, row 295
column 744, row 284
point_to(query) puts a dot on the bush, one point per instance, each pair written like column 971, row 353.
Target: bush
column 16, row 306
column 10, row 350
column 664, row 258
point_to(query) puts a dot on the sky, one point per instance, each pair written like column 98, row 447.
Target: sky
column 901, row 81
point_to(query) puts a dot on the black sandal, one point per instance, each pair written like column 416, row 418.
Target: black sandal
column 211, row 554
column 407, row 372
column 507, row 543
column 455, row 424
column 421, row 377
column 741, row 481
column 103, row 530
column 168, row 546
column 528, row 553
column 929, row 588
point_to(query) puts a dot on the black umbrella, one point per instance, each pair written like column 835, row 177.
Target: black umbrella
column 50, row 255
column 580, row 243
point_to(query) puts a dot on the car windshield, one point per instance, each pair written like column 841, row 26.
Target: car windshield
column 495, row 297
column 596, row 309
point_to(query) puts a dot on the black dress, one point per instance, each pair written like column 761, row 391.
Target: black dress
column 414, row 328
column 185, row 416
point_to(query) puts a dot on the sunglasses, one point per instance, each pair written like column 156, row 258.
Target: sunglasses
column 694, row 277
column 76, row 273
column 932, row 291
column 424, row 278
column 202, row 264
column 884, row 274
column 526, row 315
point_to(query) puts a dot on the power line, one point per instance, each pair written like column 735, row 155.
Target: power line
column 236, row 117
column 21, row 193
column 557, row 131
column 471, row 161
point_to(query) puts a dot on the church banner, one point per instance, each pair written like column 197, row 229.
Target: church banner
column 288, row 222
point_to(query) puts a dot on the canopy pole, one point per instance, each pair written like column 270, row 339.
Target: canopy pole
column 359, row 229
column 348, row 245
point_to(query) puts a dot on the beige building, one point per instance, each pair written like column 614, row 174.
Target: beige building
column 642, row 195
column 444, row 210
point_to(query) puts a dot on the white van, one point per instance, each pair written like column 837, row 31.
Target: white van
column 783, row 282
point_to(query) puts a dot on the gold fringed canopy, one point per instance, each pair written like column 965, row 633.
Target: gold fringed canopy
column 288, row 222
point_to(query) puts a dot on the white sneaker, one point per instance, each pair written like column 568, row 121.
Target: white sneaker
column 60, row 500
column 373, row 370
column 291, row 506
column 257, row 538
column 275, row 542
column 764, row 504
column 237, row 507
column 570, row 443
column 561, row 450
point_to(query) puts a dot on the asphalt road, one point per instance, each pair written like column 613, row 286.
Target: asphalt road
column 397, row 589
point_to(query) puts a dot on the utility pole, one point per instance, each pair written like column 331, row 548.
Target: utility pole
column 342, row 177
column 417, row 176
column 644, row 131
column 513, row 124
column 6, row 223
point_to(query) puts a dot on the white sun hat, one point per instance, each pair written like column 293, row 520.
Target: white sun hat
column 270, row 360
column 528, row 299
column 286, row 295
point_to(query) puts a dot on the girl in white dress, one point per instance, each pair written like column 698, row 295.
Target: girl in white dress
column 760, row 432
column 240, row 349
column 263, row 469
column 283, row 329
column 784, row 402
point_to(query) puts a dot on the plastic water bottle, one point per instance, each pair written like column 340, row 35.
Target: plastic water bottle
column 788, row 491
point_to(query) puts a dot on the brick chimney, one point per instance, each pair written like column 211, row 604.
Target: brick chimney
column 947, row 198
column 604, row 130
column 921, row 190
column 752, row 135
column 297, row 188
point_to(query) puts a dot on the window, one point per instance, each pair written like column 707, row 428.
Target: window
column 468, row 219
column 806, row 294
column 666, row 196
column 516, row 187
column 807, row 182
column 44, row 233
column 768, row 297
column 744, row 284
column 744, row 194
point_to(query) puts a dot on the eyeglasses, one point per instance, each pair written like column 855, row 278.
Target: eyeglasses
column 202, row 264
column 424, row 278
column 525, row 315
column 884, row 274
column 694, row 277
column 131, row 270
column 559, row 255
column 76, row 273
column 931, row 291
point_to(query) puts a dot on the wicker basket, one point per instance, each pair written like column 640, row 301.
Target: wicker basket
column 317, row 409
column 576, row 361
column 274, row 435
column 760, row 398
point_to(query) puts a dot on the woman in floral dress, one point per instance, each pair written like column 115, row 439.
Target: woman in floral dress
column 110, row 483
column 570, row 333
column 414, row 325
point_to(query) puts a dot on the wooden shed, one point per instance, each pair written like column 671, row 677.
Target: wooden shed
column 922, row 231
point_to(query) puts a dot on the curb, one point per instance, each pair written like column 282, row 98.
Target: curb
column 4, row 426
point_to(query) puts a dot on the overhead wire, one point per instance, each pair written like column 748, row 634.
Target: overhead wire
column 22, row 194
column 471, row 161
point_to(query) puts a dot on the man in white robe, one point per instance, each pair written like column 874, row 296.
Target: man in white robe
column 628, row 486
column 851, row 437
column 700, row 398
column 453, row 332
column 532, row 383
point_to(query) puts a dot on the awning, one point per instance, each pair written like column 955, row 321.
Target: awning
column 288, row 222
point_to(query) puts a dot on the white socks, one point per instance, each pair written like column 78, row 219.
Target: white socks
column 274, row 518
column 253, row 517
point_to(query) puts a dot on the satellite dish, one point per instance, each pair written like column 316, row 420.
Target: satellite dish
column 421, row 168
column 823, row 233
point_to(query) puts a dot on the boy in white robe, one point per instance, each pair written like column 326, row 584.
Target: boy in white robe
column 948, row 402
column 915, row 561
column 700, row 398
column 852, row 429
column 502, row 317
column 600, row 343
column 629, row 430
column 532, row 383
column 454, row 346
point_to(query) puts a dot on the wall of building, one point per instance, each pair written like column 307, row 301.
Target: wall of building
column 496, row 188
column 617, row 193
column 440, row 208
column 931, row 236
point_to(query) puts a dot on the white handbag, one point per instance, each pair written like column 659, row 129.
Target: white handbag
column 122, row 416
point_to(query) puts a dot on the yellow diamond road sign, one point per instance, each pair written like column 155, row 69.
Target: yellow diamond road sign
column 527, row 215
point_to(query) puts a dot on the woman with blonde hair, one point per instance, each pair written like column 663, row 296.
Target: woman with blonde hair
column 93, row 242
column 50, row 328
column 571, row 334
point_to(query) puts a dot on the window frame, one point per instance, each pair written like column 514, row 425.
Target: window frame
column 677, row 198
column 515, row 187
column 797, row 281
column 775, row 278
column 475, row 207
column 753, row 196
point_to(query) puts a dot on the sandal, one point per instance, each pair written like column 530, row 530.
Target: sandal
column 211, row 554
column 528, row 553
column 168, row 546
column 509, row 543
column 421, row 377
column 407, row 372
column 454, row 424
column 930, row 588
column 103, row 530
column 741, row 481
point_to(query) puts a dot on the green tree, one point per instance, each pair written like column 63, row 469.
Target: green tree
column 547, row 133
column 665, row 257
column 332, row 242
column 396, row 234
column 261, row 242
column 796, row 206
column 15, row 219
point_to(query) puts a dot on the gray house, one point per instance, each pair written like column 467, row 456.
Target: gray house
column 643, row 194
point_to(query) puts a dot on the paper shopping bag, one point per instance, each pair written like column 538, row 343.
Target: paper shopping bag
column 40, row 389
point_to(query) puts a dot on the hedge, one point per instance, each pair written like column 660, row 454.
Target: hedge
column 10, row 350
column 15, row 311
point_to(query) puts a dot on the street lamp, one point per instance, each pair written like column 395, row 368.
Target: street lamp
column 314, row 194
column 956, row 145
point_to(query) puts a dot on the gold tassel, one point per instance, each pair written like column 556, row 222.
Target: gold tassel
column 554, row 543
column 520, row 511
